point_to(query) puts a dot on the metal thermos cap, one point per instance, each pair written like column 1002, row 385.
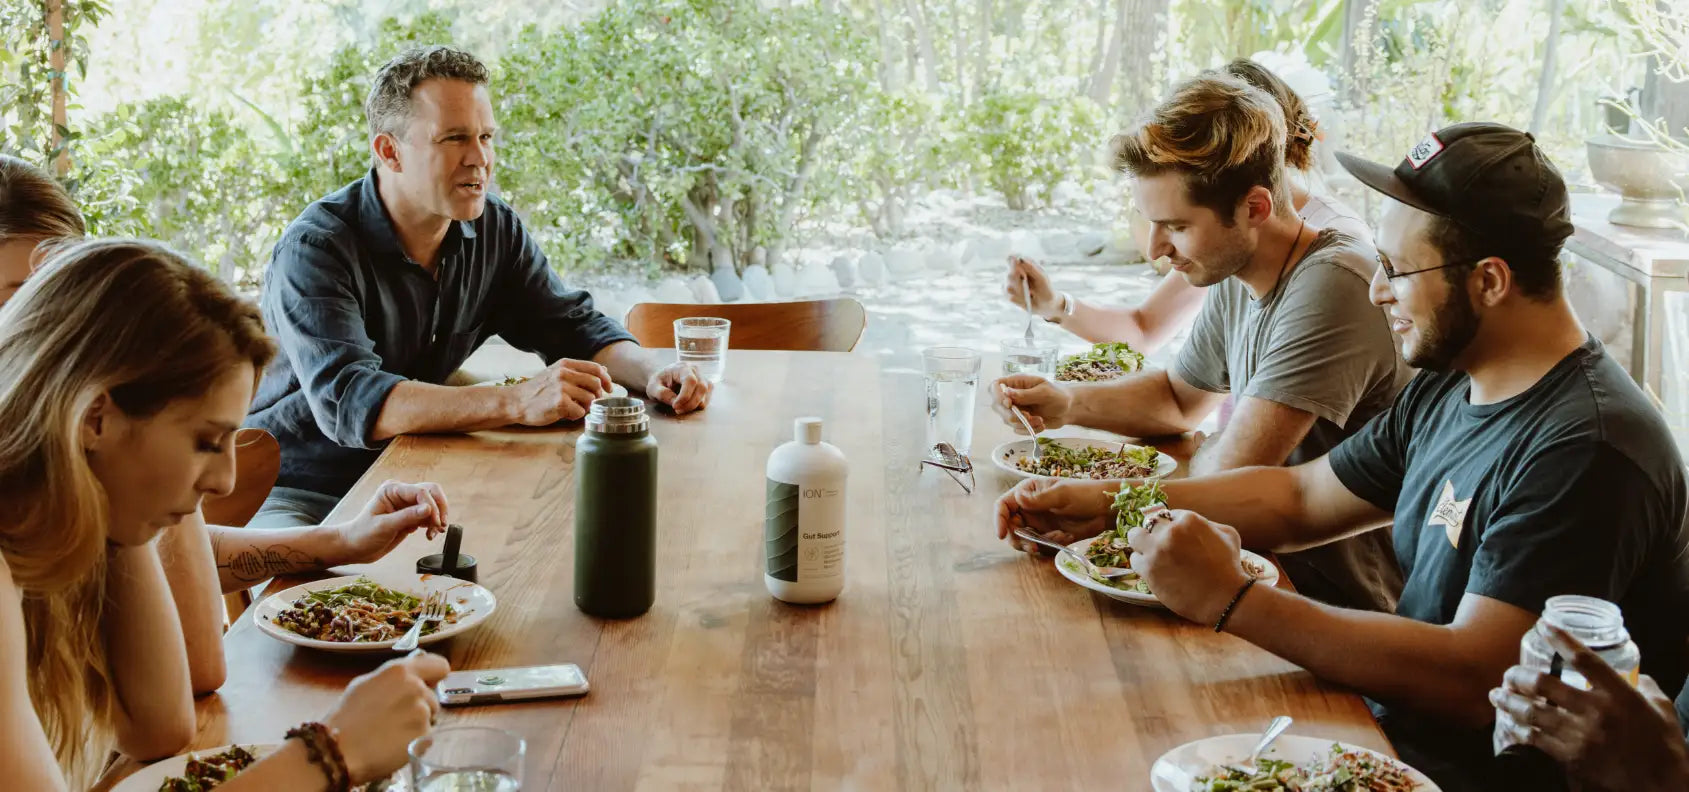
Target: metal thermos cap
column 617, row 415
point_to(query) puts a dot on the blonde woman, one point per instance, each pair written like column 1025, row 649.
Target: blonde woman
column 1175, row 302
column 202, row 562
column 124, row 372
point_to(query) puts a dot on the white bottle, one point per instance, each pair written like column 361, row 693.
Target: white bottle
column 803, row 523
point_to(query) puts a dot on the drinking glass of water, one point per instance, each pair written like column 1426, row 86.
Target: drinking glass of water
column 952, row 375
column 467, row 759
column 702, row 341
column 1020, row 357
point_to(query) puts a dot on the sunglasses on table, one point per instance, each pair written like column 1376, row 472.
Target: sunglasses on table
column 945, row 457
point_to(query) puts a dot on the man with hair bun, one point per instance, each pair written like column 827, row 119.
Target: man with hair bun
column 1286, row 329
column 1521, row 463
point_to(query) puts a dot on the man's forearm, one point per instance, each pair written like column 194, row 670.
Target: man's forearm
column 1392, row 659
column 628, row 363
column 1097, row 324
column 1262, row 503
column 1137, row 405
column 248, row 556
column 1267, row 505
column 422, row 408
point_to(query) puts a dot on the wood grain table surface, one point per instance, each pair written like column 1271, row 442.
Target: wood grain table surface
column 949, row 662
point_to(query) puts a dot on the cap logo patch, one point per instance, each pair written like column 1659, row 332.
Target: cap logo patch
column 1427, row 150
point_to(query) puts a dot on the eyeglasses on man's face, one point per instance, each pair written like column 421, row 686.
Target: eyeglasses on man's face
column 1390, row 272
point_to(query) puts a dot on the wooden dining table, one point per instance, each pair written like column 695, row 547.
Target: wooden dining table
column 951, row 661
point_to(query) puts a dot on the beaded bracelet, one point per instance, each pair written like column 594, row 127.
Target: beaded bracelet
column 1220, row 625
column 324, row 752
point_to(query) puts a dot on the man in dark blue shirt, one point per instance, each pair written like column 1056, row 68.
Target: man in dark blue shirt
column 381, row 290
column 1521, row 463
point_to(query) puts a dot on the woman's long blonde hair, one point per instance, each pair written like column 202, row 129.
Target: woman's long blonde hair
column 138, row 322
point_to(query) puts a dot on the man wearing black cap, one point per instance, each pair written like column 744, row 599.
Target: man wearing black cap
column 1521, row 463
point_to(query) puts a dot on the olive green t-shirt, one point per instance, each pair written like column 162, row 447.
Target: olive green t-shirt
column 1314, row 343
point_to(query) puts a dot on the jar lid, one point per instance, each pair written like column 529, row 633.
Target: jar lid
column 617, row 415
column 1596, row 622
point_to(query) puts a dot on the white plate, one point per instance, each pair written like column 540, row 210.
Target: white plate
column 1004, row 456
column 474, row 604
column 153, row 776
column 1177, row 769
column 1070, row 569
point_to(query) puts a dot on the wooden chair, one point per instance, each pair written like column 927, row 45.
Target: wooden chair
column 257, row 463
column 811, row 325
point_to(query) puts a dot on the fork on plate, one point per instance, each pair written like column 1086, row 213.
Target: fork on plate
column 434, row 610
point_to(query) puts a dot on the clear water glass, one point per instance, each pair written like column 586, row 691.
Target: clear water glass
column 1036, row 358
column 952, row 379
column 702, row 341
column 467, row 759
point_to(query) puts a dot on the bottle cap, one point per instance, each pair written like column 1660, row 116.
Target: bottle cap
column 617, row 415
column 807, row 430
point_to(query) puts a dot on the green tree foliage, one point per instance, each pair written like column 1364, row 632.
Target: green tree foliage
column 330, row 146
column 193, row 178
column 1026, row 143
column 686, row 133
column 26, row 88
column 682, row 131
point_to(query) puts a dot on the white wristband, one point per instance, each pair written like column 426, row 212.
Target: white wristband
column 1066, row 309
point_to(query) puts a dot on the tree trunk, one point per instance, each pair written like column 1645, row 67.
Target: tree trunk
column 1354, row 38
column 1103, row 80
column 1545, row 80
column 888, row 48
column 1663, row 97
column 699, row 206
column 57, row 50
column 1140, row 83
column 793, row 192
column 958, row 49
column 982, row 46
column 1097, row 44
column 923, row 40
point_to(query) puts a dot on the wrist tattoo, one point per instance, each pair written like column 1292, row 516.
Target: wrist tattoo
column 262, row 563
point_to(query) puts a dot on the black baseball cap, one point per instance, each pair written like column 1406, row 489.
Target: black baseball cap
column 1490, row 179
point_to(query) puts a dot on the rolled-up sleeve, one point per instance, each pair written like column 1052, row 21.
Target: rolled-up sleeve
column 539, row 314
column 311, row 308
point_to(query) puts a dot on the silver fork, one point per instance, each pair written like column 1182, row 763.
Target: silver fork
column 1110, row 573
column 434, row 609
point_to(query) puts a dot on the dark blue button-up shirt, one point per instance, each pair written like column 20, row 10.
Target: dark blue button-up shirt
column 355, row 316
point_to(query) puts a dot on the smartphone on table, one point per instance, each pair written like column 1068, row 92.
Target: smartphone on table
column 495, row 685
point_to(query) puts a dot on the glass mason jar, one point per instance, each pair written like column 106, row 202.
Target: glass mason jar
column 1599, row 625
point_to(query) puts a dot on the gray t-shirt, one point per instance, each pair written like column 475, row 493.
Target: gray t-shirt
column 1315, row 343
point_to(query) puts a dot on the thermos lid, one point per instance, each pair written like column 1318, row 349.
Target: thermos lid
column 464, row 569
column 617, row 415
column 807, row 430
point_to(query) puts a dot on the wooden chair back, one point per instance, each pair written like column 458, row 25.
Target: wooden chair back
column 833, row 325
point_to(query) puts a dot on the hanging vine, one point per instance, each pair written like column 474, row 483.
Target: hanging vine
column 39, row 45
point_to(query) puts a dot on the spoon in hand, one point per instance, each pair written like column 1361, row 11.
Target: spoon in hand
column 1025, row 424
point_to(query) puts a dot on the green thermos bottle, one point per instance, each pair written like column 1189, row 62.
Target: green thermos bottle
column 616, row 511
